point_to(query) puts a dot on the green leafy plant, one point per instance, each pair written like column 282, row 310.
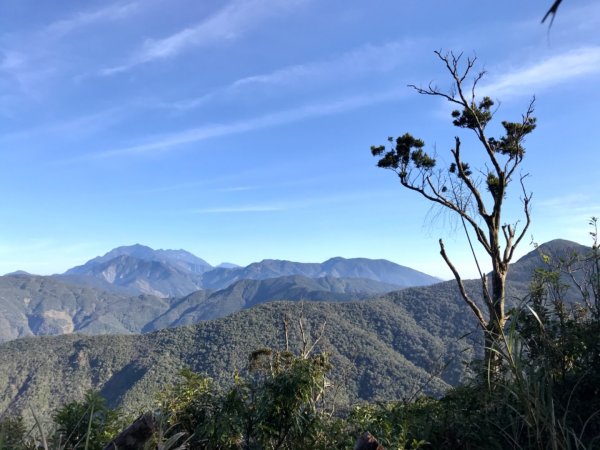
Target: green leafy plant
column 85, row 425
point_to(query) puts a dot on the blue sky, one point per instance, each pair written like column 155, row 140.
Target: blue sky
column 240, row 130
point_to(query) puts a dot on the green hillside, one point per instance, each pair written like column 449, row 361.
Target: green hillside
column 207, row 305
column 33, row 305
column 36, row 305
column 378, row 351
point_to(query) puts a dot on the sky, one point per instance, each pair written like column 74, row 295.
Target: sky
column 240, row 130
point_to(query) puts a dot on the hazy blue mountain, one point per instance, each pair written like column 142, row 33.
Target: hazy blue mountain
column 142, row 276
column 226, row 265
column 139, row 269
column 97, row 282
column 181, row 259
column 18, row 272
column 175, row 273
column 378, row 270
column 556, row 249
column 220, row 278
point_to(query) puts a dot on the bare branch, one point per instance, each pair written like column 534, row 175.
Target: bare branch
column 458, row 81
column 436, row 197
column 463, row 292
column 303, row 335
column 476, row 80
column 319, row 337
column 527, row 211
column 306, row 350
column 489, row 301
column 509, row 233
column 434, row 91
column 286, row 333
column 467, row 180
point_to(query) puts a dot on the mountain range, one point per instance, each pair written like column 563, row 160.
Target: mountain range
column 377, row 270
column 394, row 345
column 138, row 269
column 137, row 289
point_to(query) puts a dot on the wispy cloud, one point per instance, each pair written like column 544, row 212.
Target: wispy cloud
column 575, row 17
column 571, row 211
column 72, row 127
column 84, row 19
column 11, row 60
column 566, row 202
column 229, row 23
column 236, row 189
column 365, row 60
column 291, row 204
column 162, row 143
column 240, row 209
column 32, row 59
column 549, row 72
column 194, row 185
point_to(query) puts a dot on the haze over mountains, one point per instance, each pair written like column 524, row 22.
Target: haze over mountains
column 137, row 289
column 386, row 346
column 138, row 269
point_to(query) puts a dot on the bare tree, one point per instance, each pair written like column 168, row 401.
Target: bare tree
column 460, row 189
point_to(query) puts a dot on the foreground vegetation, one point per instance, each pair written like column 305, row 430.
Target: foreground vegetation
column 546, row 395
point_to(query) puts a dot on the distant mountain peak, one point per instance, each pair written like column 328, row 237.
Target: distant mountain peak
column 554, row 247
column 149, row 254
column 338, row 267
column 17, row 272
column 335, row 258
column 357, row 259
column 141, row 269
column 561, row 243
column 228, row 265
column 136, row 246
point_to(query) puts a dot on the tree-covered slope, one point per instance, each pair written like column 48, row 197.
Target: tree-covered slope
column 206, row 305
column 36, row 305
column 378, row 350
